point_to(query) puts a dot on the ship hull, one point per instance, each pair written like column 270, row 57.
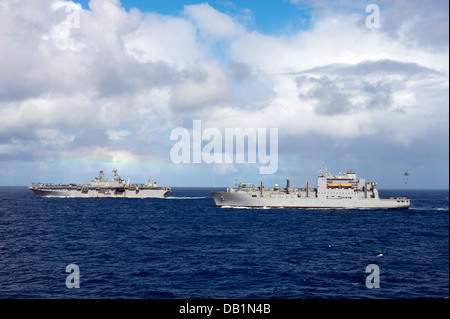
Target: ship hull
column 236, row 200
column 150, row 192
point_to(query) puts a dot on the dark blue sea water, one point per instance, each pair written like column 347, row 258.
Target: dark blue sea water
column 185, row 247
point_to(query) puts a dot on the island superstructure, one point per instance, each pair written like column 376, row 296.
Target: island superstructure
column 333, row 191
column 101, row 187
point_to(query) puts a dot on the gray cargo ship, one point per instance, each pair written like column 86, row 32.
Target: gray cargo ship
column 101, row 187
column 333, row 191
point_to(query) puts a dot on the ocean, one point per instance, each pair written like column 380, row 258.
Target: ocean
column 183, row 247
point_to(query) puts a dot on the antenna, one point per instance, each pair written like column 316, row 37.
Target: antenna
column 324, row 167
column 406, row 173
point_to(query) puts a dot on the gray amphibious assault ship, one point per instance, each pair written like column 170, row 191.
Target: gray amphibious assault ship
column 100, row 187
column 333, row 191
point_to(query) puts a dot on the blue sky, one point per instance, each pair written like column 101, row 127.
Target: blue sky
column 266, row 16
column 102, row 86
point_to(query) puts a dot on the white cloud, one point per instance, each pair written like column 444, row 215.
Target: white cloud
column 205, row 84
column 129, row 77
column 117, row 134
column 163, row 38
column 213, row 24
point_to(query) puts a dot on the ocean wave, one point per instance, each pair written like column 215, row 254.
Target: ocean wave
column 249, row 207
column 430, row 208
column 185, row 197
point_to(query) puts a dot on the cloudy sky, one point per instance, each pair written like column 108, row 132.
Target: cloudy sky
column 101, row 84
